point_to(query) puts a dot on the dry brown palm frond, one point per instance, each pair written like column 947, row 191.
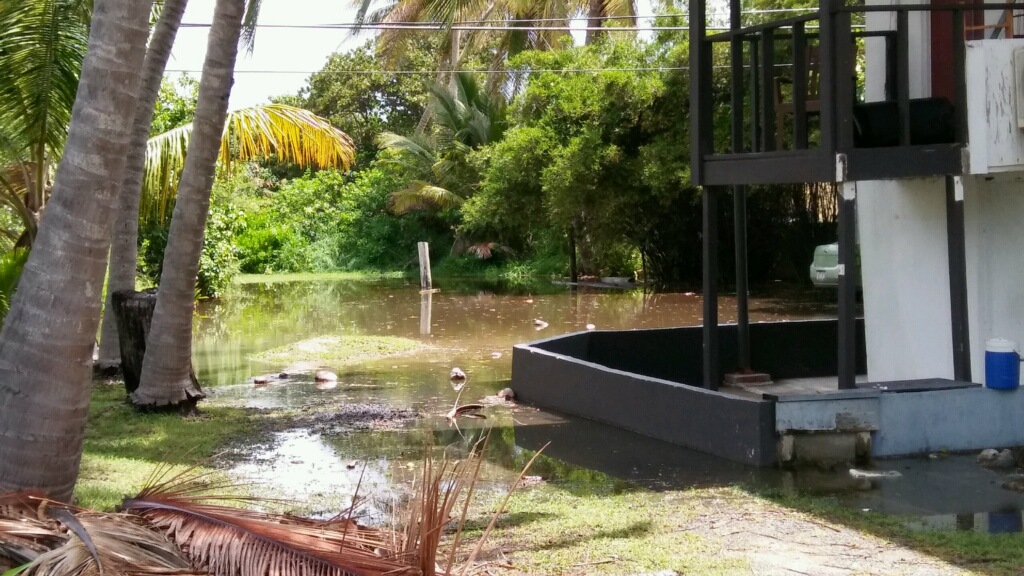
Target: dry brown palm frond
column 229, row 541
column 116, row 545
column 26, row 531
column 436, row 495
column 25, row 539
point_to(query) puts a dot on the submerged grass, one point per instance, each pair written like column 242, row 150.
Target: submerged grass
column 318, row 276
column 339, row 349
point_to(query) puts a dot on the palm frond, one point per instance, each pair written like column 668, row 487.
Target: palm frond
column 42, row 45
column 252, row 14
column 25, row 532
column 228, row 541
column 293, row 134
column 419, row 195
column 415, row 153
column 117, row 545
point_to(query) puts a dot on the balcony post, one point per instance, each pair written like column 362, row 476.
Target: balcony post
column 739, row 194
column 956, row 246
column 847, row 286
column 712, row 369
column 826, row 77
column 701, row 135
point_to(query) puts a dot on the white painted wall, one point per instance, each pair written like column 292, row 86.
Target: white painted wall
column 905, row 269
column 920, row 50
column 996, row 143
column 994, row 225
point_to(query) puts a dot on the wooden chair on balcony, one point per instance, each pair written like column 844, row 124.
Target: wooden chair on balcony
column 974, row 31
column 812, row 103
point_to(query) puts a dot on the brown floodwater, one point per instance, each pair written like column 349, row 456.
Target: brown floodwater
column 474, row 326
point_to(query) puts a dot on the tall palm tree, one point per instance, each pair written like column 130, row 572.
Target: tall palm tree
column 530, row 15
column 465, row 118
column 42, row 44
column 124, row 241
column 47, row 338
column 166, row 370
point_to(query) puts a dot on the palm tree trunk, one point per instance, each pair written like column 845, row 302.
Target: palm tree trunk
column 165, row 369
column 124, row 245
column 47, row 339
column 595, row 17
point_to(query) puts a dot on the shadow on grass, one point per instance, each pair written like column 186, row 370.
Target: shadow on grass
column 635, row 530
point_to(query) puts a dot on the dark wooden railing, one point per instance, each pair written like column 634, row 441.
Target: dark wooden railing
column 885, row 138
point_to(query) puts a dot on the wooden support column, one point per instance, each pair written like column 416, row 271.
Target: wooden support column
column 956, row 246
column 847, row 286
column 701, row 113
column 712, row 369
column 739, row 194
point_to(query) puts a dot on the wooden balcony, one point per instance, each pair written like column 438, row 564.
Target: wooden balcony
column 796, row 106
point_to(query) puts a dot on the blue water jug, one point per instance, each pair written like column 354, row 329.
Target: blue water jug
column 1002, row 364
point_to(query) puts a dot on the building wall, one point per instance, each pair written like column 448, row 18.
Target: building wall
column 993, row 215
column 905, row 270
column 920, row 53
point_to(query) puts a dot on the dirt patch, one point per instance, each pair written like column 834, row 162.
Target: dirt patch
column 777, row 541
column 346, row 418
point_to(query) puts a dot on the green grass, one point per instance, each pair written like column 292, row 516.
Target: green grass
column 123, row 447
column 336, row 349
column 548, row 529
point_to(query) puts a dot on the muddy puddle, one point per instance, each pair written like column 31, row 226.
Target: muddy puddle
column 474, row 328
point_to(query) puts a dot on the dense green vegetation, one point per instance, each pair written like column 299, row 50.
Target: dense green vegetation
column 591, row 152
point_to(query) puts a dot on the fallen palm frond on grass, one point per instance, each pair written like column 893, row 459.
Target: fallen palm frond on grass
column 177, row 527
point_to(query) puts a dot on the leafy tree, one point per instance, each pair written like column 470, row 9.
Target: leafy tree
column 358, row 96
column 574, row 156
column 175, row 105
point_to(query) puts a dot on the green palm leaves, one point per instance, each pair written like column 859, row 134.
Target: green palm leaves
column 292, row 134
column 42, row 44
column 437, row 163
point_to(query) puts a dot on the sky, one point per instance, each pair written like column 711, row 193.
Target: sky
column 293, row 54
column 299, row 52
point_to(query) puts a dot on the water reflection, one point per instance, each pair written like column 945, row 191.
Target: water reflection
column 1000, row 522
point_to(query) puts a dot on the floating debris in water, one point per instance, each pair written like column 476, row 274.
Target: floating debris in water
column 457, row 374
column 591, row 327
column 495, row 355
column 325, row 376
column 875, row 474
column 539, row 324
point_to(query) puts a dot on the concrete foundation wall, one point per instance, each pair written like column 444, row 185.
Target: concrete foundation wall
column 964, row 419
column 739, row 429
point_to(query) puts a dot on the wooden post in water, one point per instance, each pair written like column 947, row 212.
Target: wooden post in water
column 424, row 253
column 426, row 303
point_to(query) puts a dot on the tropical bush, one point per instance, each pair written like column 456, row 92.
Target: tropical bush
column 328, row 221
column 11, row 264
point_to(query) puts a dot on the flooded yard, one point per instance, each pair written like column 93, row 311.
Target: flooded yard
column 474, row 328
